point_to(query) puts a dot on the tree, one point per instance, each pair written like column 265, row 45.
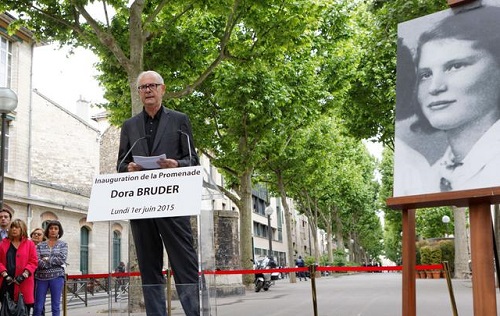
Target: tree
column 369, row 99
column 393, row 227
column 327, row 174
column 263, row 52
column 429, row 222
column 253, row 106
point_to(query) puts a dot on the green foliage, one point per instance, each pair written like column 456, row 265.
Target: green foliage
column 430, row 254
column 309, row 261
column 323, row 261
column 393, row 219
column 426, row 255
column 429, row 223
column 369, row 100
column 435, row 254
column 331, row 178
column 339, row 258
column 419, row 245
column 286, row 88
column 436, row 251
column 448, row 252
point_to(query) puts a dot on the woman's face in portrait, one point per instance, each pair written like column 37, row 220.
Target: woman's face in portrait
column 458, row 85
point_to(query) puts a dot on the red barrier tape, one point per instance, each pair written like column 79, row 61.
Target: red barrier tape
column 280, row 270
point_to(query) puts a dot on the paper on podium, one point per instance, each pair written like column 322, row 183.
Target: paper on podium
column 148, row 162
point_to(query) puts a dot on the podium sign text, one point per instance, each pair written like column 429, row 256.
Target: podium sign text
column 146, row 194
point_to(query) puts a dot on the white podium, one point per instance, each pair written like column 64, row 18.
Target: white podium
column 117, row 198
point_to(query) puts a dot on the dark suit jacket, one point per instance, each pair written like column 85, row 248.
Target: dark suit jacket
column 168, row 140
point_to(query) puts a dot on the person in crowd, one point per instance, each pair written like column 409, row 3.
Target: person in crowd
column 120, row 280
column 5, row 218
column 300, row 263
column 37, row 235
column 458, row 80
column 52, row 256
column 167, row 132
column 18, row 261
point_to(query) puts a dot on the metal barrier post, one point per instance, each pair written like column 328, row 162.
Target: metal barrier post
column 312, row 275
column 169, row 292
column 447, row 275
column 64, row 302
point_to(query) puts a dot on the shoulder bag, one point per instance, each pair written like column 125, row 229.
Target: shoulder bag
column 11, row 308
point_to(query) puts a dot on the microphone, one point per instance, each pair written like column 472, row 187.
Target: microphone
column 130, row 150
column 189, row 146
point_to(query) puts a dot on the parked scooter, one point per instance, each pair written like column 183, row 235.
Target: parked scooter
column 263, row 280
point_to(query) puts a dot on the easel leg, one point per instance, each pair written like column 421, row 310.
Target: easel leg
column 409, row 263
column 483, row 282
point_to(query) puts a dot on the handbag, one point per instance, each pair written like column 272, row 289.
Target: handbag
column 11, row 308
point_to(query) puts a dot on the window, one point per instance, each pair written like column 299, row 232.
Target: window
column 259, row 205
column 117, row 243
column 5, row 80
column 7, row 144
column 84, row 250
column 261, row 230
column 5, row 62
column 45, row 224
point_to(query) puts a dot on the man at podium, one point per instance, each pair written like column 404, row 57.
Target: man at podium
column 154, row 132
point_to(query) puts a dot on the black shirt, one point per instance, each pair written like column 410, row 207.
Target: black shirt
column 151, row 126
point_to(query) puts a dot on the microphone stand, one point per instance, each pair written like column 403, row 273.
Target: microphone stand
column 189, row 146
column 130, row 150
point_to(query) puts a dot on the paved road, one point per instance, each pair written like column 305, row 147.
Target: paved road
column 370, row 294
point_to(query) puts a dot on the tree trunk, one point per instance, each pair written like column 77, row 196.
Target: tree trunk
column 246, row 224
column 339, row 230
column 314, row 230
column 462, row 254
column 288, row 221
column 329, row 235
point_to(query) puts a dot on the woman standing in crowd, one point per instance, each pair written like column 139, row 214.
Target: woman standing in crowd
column 18, row 261
column 37, row 235
column 52, row 255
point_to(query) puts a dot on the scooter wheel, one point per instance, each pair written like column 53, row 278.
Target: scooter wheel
column 258, row 286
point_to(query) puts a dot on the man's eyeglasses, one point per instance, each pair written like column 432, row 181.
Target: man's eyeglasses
column 149, row 86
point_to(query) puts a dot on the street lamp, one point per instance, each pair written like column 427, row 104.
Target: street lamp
column 8, row 102
column 446, row 220
column 269, row 211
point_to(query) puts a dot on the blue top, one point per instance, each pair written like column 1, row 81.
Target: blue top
column 51, row 261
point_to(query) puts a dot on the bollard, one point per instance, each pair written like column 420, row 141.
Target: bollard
column 447, row 275
column 312, row 276
column 169, row 292
column 64, row 302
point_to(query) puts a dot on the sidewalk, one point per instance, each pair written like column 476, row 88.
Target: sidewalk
column 361, row 294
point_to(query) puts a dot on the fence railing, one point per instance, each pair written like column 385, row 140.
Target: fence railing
column 79, row 287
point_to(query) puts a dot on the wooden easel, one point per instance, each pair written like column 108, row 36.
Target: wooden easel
column 479, row 202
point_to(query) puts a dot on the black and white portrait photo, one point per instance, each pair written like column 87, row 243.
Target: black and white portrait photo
column 448, row 101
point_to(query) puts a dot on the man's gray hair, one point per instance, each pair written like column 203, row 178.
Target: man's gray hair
column 157, row 75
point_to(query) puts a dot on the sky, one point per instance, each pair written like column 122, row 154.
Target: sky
column 66, row 78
